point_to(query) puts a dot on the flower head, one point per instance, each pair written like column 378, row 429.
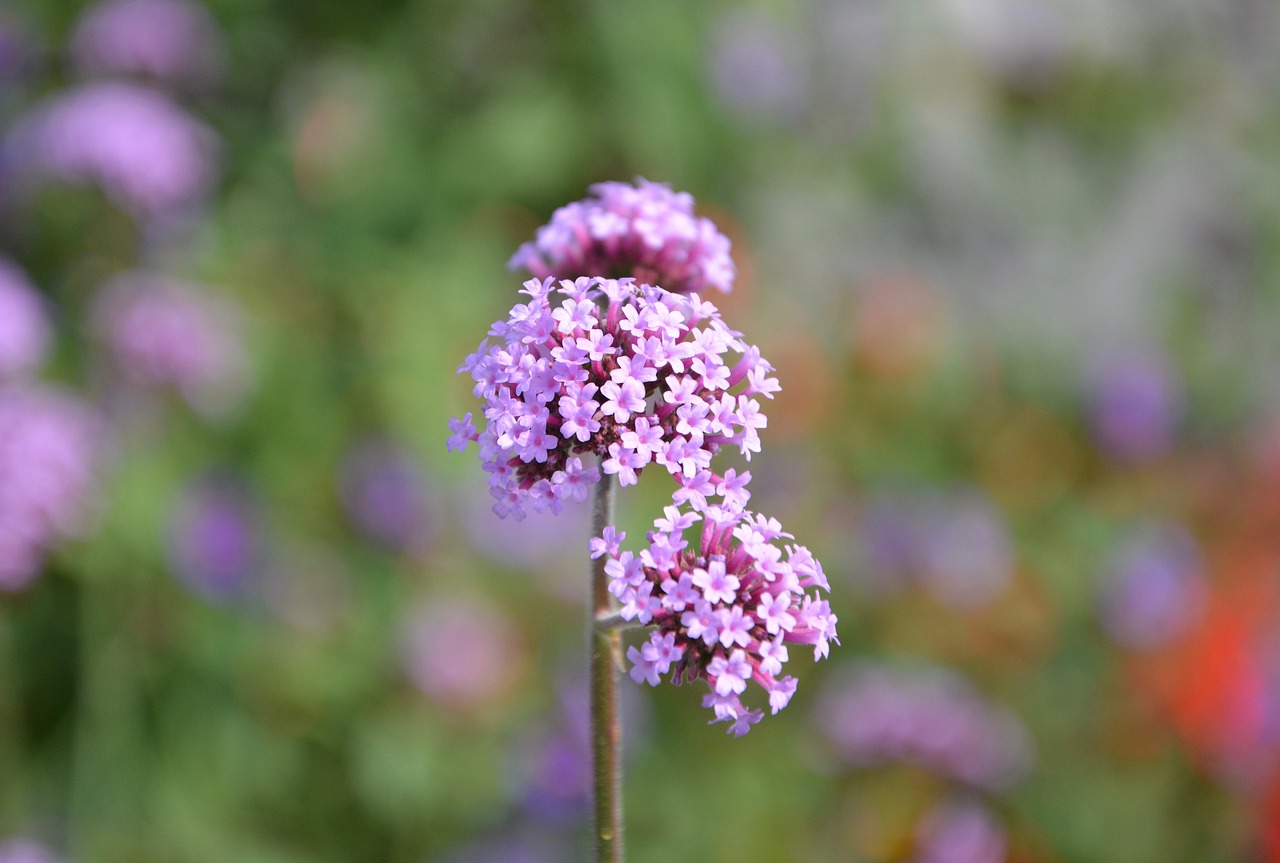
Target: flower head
column 146, row 154
column 170, row 41
column 724, row 608
column 959, row 830
column 215, row 545
column 384, row 493
column 645, row 231
column 1153, row 591
column 628, row 373
column 48, row 449
column 24, row 327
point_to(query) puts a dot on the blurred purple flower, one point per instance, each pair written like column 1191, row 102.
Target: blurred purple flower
column 464, row 653
column 215, row 543
column 1136, row 406
column 148, row 155
column 543, row 543
column 26, row 851
column 756, row 68
column 929, row 717
column 645, row 231
column 173, row 42
column 384, row 493
column 48, row 449
column 959, row 831
column 1153, row 589
column 166, row 333
column 24, row 327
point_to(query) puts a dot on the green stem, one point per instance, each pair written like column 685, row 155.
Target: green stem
column 606, row 724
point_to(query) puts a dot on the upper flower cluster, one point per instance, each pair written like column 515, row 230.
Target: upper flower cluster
column 724, row 609
column 646, row 231
column 624, row 371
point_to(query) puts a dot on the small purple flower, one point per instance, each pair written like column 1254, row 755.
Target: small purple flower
column 930, row 717
column 646, row 232
column 215, row 542
column 464, row 653
column 147, row 155
column 162, row 332
column 24, row 326
column 755, row 69
column 966, row 558
column 19, row 850
column 548, row 410
column 384, row 493
column 48, row 454
column 1136, row 406
column 723, row 609
column 959, row 830
column 173, row 42
column 1153, row 590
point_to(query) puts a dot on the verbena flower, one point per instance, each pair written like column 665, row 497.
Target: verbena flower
column 626, row 372
column 24, row 326
column 1137, row 403
column 471, row 680
column 19, row 850
column 147, row 155
column 173, row 42
column 1153, row 590
column 162, row 332
column 215, row 543
column 646, row 231
column 385, row 495
column 724, row 608
column 959, row 830
column 929, row 717
column 48, row 449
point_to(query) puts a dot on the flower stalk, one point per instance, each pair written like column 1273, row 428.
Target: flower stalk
column 606, row 724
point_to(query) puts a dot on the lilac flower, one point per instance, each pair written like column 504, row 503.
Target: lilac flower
column 959, row 831
column 1137, row 404
column 645, row 231
column 146, row 154
column 19, row 850
column 384, row 494
column 724, row 608
column 48, row 453
column 170, row 41
column 166, row 333
column 929, row 717
column 755, row 69
column 1153, row 590
column 464, row 653
column 24, row 327
column 215, row 545
column 605, row 388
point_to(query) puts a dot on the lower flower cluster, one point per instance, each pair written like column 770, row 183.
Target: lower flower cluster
column 724, row 609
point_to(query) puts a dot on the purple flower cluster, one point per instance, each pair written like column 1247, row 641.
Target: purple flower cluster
column 627, row 372
column 469, row 680
column 932, row 718
column 24, row 326
column 26, row 851
column 384, row 494
column 959, row 830
column 1153, row 590
column 1137, row 404
column 724, row 609
column 174, row 42
column 166, row 333
column 215, row 546
column 48, row 443
column 148, row 155
column 647, row 232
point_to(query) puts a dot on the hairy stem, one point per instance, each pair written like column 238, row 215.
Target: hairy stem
column 606, row 724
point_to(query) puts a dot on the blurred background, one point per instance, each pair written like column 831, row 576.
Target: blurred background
column 1017, row 263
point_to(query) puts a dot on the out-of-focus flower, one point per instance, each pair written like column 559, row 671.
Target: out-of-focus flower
column 464, row 653
column 173, row 42
column 20, row 850
column 929, row 717
column 24, row 327
column 215, row 541
column 48, row 452
column 646, row 232
column 547, row 546
column 384, row 493
column 147, row 155
column 1137, row 404
column 162, row 332
column 725, row 608
column 630, row 373
column 17, row 48
column 959, row 831
column 756, row 68
column 1153, row 589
